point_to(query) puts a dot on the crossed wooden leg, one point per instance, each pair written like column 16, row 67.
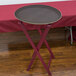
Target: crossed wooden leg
column 36, row 49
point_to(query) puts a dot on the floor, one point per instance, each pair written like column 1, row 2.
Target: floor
column 16, row 53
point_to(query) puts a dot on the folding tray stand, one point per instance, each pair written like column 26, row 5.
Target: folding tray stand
column 38, row 15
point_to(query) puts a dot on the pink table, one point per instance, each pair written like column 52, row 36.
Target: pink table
column 39, row 15
column 8, row 22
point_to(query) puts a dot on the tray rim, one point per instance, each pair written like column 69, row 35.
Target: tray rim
column 38, row 23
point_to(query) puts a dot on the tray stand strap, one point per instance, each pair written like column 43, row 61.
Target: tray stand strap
column 36, row 49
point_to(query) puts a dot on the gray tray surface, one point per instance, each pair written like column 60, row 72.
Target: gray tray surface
column 38, row 14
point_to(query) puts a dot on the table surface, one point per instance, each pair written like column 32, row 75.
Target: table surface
column 67, row 8
column 38, row 14
column 9, row 23
column 8, row 2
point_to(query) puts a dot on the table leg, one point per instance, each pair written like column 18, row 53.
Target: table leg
column 46, row 43
column 71, row 35
column 34, row 54
column 38, row 46
column 50, row 51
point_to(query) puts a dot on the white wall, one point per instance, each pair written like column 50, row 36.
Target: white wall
column 6, row 2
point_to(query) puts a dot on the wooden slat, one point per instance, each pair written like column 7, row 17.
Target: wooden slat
column 16, row 53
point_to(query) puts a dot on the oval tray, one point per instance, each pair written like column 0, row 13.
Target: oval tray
column 38, row 14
